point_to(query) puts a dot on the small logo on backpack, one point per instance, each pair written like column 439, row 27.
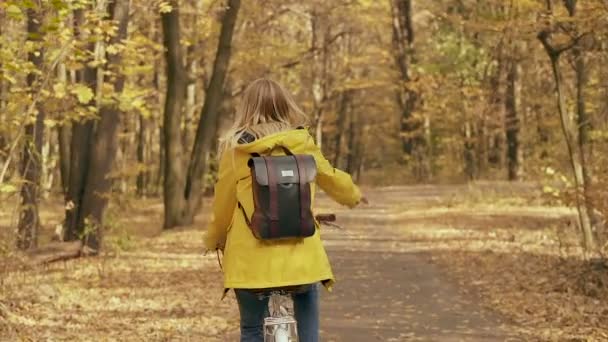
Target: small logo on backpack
column 287, row 173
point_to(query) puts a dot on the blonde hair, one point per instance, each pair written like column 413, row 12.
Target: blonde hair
column 266, row 108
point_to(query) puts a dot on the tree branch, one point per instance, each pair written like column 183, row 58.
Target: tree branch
column 555, row 51
column 314, row 50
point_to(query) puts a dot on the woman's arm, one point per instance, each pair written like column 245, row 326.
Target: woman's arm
column 223, row 204
column 336, row 183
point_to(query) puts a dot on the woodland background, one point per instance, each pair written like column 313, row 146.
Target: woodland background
column 109, row 102
column 108, row 98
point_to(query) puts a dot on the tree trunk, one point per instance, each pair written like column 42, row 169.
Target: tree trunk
column 468, row 137
column 495, row 132
column 318, row 120
column 360, row 151
column 160, row 171
column 570, row 132
column 160, row 174
column 403, row 51
column 105, row 143
column 482, row 144
column 191, row 99
column 142, row 176
column 63, row 137
column 174, row 173
column 470, row 169
column 352, row 143
column 512, row 122
column 48, row 165
column 205, row 133
column 584, row 123
column 31, row 162
column 489, row 149
column 123, row 152
column 79, row 161
column 318, row 45
column 79, row 147
column 428, row 153
column 343, row 112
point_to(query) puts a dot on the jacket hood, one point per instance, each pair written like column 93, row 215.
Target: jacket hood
column 292, row 139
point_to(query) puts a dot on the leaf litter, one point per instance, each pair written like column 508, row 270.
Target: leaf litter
column 168, row 292
column 533, row 275
column 163, row 288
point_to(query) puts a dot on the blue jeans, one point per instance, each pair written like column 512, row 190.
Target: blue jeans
column 254, row 308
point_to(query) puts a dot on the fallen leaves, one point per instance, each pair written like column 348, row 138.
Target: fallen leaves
column 547, row 296
column 516, row 260
column 152, row 295
column 518, row 256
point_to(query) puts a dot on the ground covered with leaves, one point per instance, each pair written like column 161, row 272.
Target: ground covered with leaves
column 548, row 298
column 502, row 246
column 521, row 259
column 143, row 289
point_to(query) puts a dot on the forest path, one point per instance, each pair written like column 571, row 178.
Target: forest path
column 388, row 288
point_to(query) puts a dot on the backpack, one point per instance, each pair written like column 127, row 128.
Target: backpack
column 281, row 188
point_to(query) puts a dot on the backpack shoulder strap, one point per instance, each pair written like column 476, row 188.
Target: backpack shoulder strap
column 285, row 149
column 244, row 214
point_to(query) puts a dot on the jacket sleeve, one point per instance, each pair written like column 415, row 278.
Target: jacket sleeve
column 336, row 183
column 224, row 204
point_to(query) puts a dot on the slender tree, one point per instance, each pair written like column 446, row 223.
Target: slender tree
column 496, row 106
column 31, row 162
column 582, row 115
column 403, row 52
column 142, row 141
column 512, row 121
column 343, row 113
column 174, row 171
column 183, row 191
column 555, row 51
column 63, row 139
column 318, row 44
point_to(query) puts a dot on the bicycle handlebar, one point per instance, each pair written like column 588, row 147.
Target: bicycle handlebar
column 325, row 218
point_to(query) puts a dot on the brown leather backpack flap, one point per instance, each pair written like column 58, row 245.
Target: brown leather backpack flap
column 286, row 169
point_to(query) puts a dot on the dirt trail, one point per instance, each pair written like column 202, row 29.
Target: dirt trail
column 389, row 291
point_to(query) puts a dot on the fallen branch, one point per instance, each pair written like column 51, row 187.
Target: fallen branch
column 57, row 251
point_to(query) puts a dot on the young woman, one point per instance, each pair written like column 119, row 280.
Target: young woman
column 268, row 117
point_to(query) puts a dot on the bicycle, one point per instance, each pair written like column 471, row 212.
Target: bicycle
column 281, row 325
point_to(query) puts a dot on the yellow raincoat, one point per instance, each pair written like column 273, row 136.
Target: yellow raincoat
column 250, row 263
